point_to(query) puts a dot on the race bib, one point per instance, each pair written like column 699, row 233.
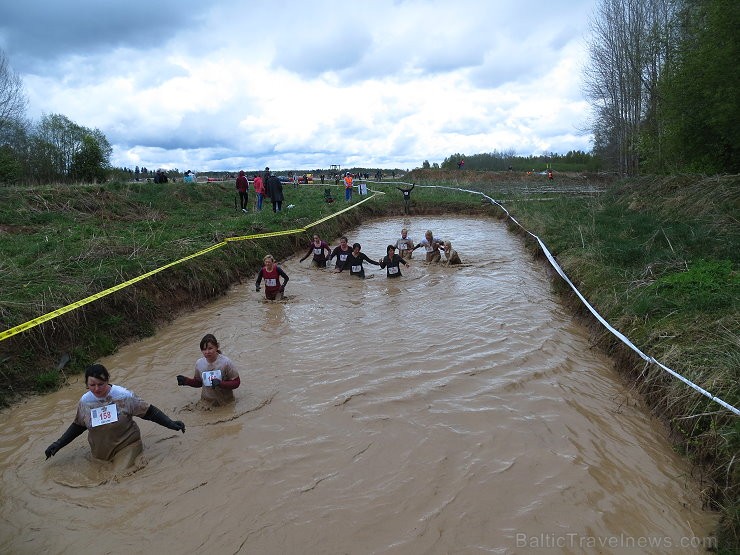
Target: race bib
column 208, row 376
column 343, row 257
column 392, row 269
column 104, row 415
column 318, row 251
column 270, row 282
column 403, row 246
column 357, row 269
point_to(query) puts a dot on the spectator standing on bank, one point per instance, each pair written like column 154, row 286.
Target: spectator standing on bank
column 275, row 192
column 259, row 190
column 242, row 185
column 348, row 186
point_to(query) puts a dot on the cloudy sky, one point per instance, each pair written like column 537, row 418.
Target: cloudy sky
column 302, row 84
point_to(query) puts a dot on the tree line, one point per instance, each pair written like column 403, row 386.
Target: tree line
column 663, row 83
column 574, row 160
column 51, row 150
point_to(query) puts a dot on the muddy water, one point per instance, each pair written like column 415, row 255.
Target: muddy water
column 452, row 411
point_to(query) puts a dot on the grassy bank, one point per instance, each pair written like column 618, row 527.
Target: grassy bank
column 658, row 258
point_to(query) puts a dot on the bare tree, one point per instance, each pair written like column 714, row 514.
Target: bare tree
column 13, row 100
column 629, row 45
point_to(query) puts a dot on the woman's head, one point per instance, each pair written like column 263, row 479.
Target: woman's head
column 356, row 247
column 96, row 380
column 208, row 339
column 97, row 371
column 428, row 235
column 209, row 347
column 343, row 241
column 390, row 249
column 448, row 245
column 269, row 260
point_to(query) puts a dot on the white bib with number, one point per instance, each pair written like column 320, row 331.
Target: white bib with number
column 403, row 246
column 104, row 415
column 318, row 250
column 343, row 257
column 392, row 269
column 357, row 269
column 208, row 376
column 270, row 282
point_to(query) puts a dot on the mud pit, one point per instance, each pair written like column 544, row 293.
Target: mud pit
column 451, row 411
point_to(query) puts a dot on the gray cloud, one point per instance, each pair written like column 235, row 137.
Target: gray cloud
column 248, row 83
column 35, row 32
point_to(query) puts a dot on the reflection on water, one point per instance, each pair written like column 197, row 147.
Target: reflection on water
column 454, row 410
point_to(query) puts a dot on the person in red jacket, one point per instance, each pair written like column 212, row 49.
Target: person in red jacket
column 272, row 273
column 242, row 185
column 259, row 190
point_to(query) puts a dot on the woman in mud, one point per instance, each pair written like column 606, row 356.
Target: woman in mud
column 107, row 412
column 451, row 256
column 272, row 273
column 341, row 252
column 392, row 262
column 405, row 244
column 431, row 245
column 317, row 249
column 354, row 262
column 214, row 373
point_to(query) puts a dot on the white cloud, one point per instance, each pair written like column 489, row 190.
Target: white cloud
column 306, row 84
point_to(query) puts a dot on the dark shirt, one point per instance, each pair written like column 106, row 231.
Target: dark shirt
column 406, row 192
column 393, row 265
column 353, row 262
column 340, row 255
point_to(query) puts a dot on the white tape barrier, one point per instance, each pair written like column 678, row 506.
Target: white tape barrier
column 593, row 311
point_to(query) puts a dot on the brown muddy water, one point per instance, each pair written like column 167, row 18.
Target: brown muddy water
column 451, row 411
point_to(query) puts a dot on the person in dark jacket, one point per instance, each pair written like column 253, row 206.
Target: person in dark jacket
column 354, row 262
column 275, row 192
column 242, row 185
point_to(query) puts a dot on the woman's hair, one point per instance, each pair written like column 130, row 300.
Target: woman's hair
column 448, row 245
column 97, row 371
column 390, row 248
column 429, row 232
column 343, row 238
column 208, row 338
column 356, row 246
column 268, row 256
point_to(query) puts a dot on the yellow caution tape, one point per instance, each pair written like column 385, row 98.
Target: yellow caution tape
column 70, row 307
